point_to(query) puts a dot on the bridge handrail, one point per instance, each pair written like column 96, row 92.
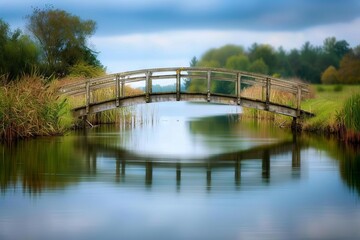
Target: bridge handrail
column 112, row 77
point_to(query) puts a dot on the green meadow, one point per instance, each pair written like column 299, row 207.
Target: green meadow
column 328, row 104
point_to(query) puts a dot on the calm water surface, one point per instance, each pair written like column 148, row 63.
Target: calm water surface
column 182, row 173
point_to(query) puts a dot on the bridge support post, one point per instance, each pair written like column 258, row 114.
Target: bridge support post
column 295, row 125
column 208, row 85
column 238, row 88
column 148, row 87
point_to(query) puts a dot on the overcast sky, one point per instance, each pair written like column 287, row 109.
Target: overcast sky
column 134, row 34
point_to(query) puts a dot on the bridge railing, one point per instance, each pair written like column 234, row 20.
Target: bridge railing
column 238, row 80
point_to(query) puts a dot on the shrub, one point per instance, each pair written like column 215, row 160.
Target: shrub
column 338, row 88
column 330, row 76
column 320, row 89
column 82, row 69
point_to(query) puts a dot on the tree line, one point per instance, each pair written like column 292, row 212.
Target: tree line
column 333, row 62
column 56, row 47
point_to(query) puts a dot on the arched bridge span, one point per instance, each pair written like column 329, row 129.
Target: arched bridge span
column 110, row 91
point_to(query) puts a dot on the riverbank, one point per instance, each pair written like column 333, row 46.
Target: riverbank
column 336, row 111
column 31, row 107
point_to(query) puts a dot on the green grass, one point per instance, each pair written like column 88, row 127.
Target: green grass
column 327, row 105
column 351, row 113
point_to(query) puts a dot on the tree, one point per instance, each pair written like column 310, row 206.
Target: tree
column 63, row 39
column 19, row 55
column 334, row 51
column 310, row 68
column 239, row 62
column 349, row 71
column 187, row 81
column 193, row 62
column 259, row 66
column 330, row 76
column 264, row 52
column 199, row 84
column 221, row 54
column 282, row 68
column 356, row 52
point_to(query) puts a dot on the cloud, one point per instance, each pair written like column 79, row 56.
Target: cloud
column 229, row 15
column 142, row 33
column 125, row 17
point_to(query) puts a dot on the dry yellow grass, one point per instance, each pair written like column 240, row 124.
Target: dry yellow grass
column 28, row 108
column 111, row 116
column 276, row 96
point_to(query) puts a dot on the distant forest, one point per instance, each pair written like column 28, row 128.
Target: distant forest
column 333, row 62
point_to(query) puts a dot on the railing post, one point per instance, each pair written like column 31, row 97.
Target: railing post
column 148, row 87
column 238, row 88
column 208, row 85
column 122, row 90
column 87, row 96
column 267, row 101
column 117, row 89
column 298, row 99
column 178, row 75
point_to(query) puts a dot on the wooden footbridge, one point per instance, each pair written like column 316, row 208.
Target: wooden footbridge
column 108, row 92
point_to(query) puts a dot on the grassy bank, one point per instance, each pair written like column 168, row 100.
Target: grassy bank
column 328, row 106
column 336, row 109
column 29, row 107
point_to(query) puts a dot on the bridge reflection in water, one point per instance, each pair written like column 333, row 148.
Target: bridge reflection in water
column 254, row 167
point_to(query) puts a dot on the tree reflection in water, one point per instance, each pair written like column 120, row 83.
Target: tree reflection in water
column 56, row 163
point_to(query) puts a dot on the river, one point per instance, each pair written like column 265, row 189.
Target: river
column 184, row 171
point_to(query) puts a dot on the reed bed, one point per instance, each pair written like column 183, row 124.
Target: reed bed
column 348, row 119
column 120, row 115
column 276, row 96
column 124, row 115
column 29, row 107
column 351, row 112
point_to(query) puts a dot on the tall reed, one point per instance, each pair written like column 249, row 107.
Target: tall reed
column 351, row 112
column 29, row 107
